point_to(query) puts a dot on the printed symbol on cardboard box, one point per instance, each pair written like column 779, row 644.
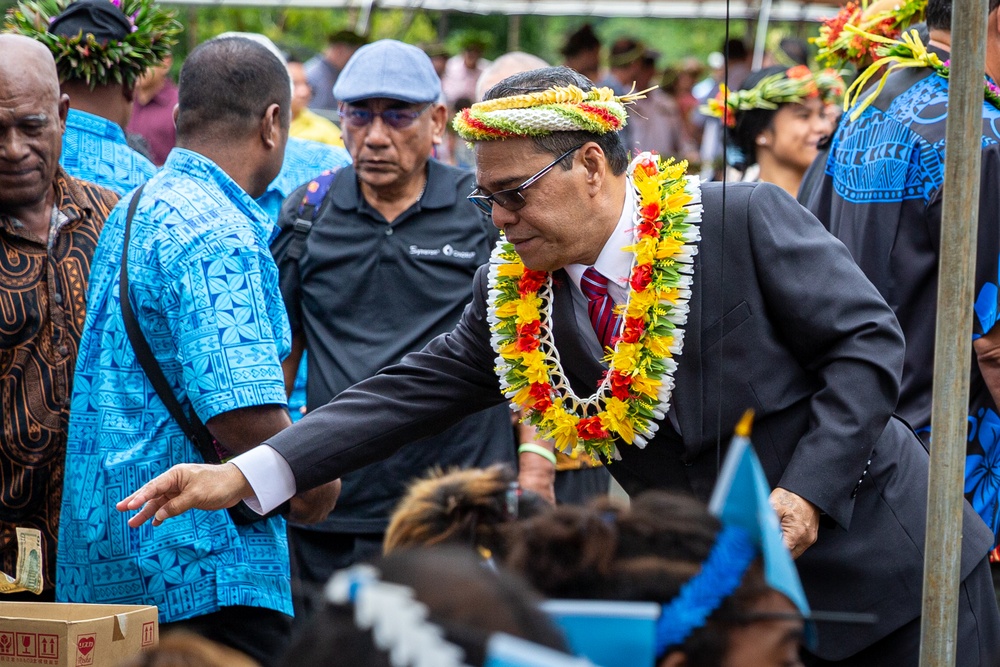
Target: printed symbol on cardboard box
column 48, row 646
column 85, row 649
column 6, row 643
column 148, row 633
column 27, row 645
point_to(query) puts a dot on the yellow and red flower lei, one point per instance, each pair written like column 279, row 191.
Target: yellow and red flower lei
column 635, row 392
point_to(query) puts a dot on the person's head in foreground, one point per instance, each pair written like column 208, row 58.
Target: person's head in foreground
column 778, row 118
column 179, row 648
column 542, row 138
column 462, row 507
column 665, row 548
column 234, row 107
column 437, row 603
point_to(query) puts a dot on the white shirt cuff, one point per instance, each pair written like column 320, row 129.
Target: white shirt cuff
column 269, row 476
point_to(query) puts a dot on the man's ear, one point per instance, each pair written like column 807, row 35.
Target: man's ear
column 175, row 113
column 439, row 120
column 270, row 126
column 596, row 163
column 63, row 110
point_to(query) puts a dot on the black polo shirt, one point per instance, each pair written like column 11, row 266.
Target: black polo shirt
column 366, row 294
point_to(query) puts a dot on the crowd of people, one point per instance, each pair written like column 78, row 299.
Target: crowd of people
column 305, row 353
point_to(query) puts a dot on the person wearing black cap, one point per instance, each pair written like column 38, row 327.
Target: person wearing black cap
column 387, row 266
column 84, row 38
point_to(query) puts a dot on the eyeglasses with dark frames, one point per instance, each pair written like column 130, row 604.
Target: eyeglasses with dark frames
column 512, row 199
column 397, row 119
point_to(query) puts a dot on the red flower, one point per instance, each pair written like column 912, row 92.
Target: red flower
column 649, row 229
column 642, row 276
column 799, row 72
column 529, row 328
column 621, row 385
column 650, row 165
column 527, row 343
column 651, row 211
column 541, row 395
column 633, row 329
column 531, row 281
column 590, row 429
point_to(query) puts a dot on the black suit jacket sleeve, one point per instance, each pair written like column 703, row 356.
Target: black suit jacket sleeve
column 428, row 391
column 840, row 330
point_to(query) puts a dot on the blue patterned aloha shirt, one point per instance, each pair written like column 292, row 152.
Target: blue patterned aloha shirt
column 205, row 292
column 94, row 149
column 304, row 161
column 881, row 194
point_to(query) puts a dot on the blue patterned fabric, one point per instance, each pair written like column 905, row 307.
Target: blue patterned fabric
column 882, row 195
column 304, row 161
column 94, row 149
column 205, row 292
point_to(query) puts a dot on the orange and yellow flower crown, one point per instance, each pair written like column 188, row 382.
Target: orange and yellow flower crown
column 558, row 109
column 790, row 87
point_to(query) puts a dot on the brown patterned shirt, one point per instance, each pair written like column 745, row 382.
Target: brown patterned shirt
column 43, row 298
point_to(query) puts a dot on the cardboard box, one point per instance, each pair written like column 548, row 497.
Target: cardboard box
column 74, row 635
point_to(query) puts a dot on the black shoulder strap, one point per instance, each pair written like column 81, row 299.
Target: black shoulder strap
column 308, row 209
column 195, row 431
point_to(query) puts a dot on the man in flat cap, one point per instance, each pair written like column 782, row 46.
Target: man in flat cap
column 387, row 266
column 132, row 35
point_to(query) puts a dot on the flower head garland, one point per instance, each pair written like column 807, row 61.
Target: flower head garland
column 154, row 31
column 886, row 18
column 908, row 51
column 792, row 86
column 635, row 392
column 558, row 109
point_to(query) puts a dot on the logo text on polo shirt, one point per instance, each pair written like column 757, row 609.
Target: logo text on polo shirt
column 447, row 251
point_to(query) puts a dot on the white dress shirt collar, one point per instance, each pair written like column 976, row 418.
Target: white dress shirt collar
column 613, row 263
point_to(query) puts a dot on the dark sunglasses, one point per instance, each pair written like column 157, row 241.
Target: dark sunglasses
column 512, row 199
column 397, row 119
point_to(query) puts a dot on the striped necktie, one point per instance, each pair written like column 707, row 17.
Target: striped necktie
column 600, row 306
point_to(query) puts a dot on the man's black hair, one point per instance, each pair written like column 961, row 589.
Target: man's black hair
column 735, row 49
column 558, row 143
column 938, row 13
column 227, row 84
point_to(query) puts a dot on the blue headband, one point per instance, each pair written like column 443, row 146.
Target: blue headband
column 720, row 574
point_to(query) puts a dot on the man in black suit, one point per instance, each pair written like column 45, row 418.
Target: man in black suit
column 780, row 320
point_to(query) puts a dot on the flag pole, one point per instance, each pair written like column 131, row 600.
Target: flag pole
column 953, row 336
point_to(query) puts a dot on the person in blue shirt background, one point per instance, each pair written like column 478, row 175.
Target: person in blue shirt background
column 205, row 292
column 95, row 147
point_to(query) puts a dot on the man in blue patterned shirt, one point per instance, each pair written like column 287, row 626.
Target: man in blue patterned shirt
column 205, row 292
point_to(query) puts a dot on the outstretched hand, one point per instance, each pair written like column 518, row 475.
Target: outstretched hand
column 184, row 487
column 799, row 520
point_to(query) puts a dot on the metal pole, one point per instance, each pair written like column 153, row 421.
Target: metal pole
column 760, row 40
column 952, row 353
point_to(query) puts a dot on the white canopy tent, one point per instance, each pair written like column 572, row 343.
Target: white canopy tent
column 780, row 10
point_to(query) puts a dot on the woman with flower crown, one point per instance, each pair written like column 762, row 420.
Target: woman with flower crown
column 776, row 122
column 635, row 313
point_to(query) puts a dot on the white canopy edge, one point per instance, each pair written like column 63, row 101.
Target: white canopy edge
column 781, row 10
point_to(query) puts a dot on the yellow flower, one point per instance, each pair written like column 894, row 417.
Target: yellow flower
column 668, row 247
column 678, row 200
column 645, row 385
column 527, row 309
column 626, row 357
column 641, row 302
column 512, row 270
column 507, row 310
column 560, row 426
column 647, row 187
column 660, row 345
column 671, row 172
column 510, row 351
column 535, row 369
column 615, row 418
